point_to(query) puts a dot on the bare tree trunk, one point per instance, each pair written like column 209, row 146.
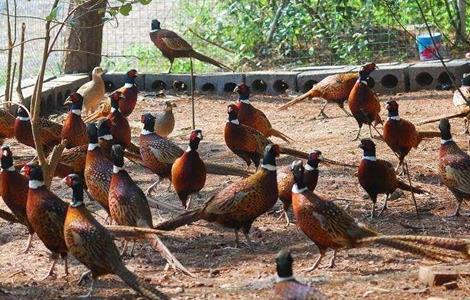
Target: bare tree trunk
column 462, row 6
column 86, row 35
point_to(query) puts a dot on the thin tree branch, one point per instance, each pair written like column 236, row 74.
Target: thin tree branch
column 210, row 42
column 19, row 90
column 19, row 44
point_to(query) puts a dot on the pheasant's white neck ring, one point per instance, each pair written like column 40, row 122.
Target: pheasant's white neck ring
column 309, row 168
column 116, row 169
column 113, row 109
column 10, row 169
column 371, row 158
column 76, row 112
column 246, row 101
column 155, row 30
column 92, row 147
column 362, row 81
column 443, row 142
column 282, row 279
column 128, row 85
column 268, row 167
column 106, row 137
column 23, row 118
column 296, row 190
column 188, row 149
column 146, row 132
column 396, row 118
column 34, row 184
column 236, row 122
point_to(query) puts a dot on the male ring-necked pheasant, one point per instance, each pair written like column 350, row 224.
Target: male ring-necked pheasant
column 330, row 227
column 74, row 129
column 91, row 244
column 253, row 117
column 238, row 205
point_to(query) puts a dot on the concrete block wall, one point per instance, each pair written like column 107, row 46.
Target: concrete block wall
column 306, row 80
column 272, row 82
column 429, row 75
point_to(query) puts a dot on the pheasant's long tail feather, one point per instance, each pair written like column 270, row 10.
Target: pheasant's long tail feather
column 209, row 60
column 183, row 219
column 133, row 148
column 309, row 94
column 409, row 188
column 137, row 284
column 304, row 155
column 218, row 169
column 429, row 134
column 461, row 114
column 280, row 135
column 118, row 231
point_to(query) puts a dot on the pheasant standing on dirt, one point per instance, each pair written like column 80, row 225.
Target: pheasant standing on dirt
column 460, row 102
column 285, row 180
column 247, row 142
column 173, row 46
column 128, row 205
column 159, row 154
column 253, row 117
column 7, row 125
column 50, row 131
column 119, row 125
column 401, row 135
column 188, row 173
column 74, row 129
column 14, row 191
column 377, row 176
column 238, row 205
column 330, row 227
column 46, row 214
column 165, row 120
column 287, row 287
column 91, row 244
column 363, row 102
column 93, row 91
column 98, row 170
column 333, row 89
column 454, row 166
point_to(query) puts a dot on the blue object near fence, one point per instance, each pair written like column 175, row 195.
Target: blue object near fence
column 426, row 48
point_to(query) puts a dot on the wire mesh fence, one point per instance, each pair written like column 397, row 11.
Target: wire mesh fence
column 127, row 44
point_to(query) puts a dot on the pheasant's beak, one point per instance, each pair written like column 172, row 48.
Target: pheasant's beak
column 236, row 89
column 320, row 157
column 68, row 101
column 23, row 171
column 360, row 146
column 64, row 180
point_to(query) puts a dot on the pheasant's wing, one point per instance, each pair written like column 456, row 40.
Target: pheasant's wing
column 7, row 124
column 166, row 151
column 51, row 129
column 175, row 42
column 457, row 171
column 71, row 156
column 259, row 138
column 229, row 198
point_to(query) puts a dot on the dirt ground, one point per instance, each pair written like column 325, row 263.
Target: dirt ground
column 224, row 272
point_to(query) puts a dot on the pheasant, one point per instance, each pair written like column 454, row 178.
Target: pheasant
column 287, row 287
column 7, row 125
column 93, row 91
column 92, row 245
column 238, row 205
column 50, row 131
column 159, row 154
column 377, row 176
column 173, row 46
column 165, row 120
column 363, row 102
column 14, row 191
column 127, row 203
column 126, row 104
column 401, row 135
column 330, row 227
column 72, row 161
column 285, row 180
column 454, row 166
column 333, row 89
column 98, row 170
column 46, row 214
column 253, row 117
column 247, row 142
column 188, row 173
column 119, row 126
column 74, row 129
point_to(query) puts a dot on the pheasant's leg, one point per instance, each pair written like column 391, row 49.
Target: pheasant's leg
column 51, row 269
column 132, row 248
column 189, row 201
column 332, row 260
column 152, row 188
column 457, row 210
column 385, row 205
column 322, row 111
column 171, row 67
column 317, row 262
column 398, row 166
column 372, row 213
column 358, row 133
column 66, row 266
column 84, row 277
column 90, row 292
column 124, row 247
column 465, row 124
column 370, row 132
column 28, row 244
column 169, row 187
column 347, row 112
column 248, row 240
column 287, row 218
column 237, row 240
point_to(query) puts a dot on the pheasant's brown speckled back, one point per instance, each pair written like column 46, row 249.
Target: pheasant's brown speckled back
column 14, row 192
column 98, row 171
column 169, row 150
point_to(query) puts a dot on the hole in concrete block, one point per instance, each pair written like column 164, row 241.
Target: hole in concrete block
column 60, row 99
column 229, row 87
column 259, row 86
column 109, row 86
column 370, row 82
column 445, row 79
column 308, row 85
column 208, row 87
column 51, row 103
column 424, row 79
column 389, row 81
column 179, row 86
column 158, row 85
column 280, row 86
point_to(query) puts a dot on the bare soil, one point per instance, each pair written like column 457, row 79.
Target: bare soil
column 224, row 272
